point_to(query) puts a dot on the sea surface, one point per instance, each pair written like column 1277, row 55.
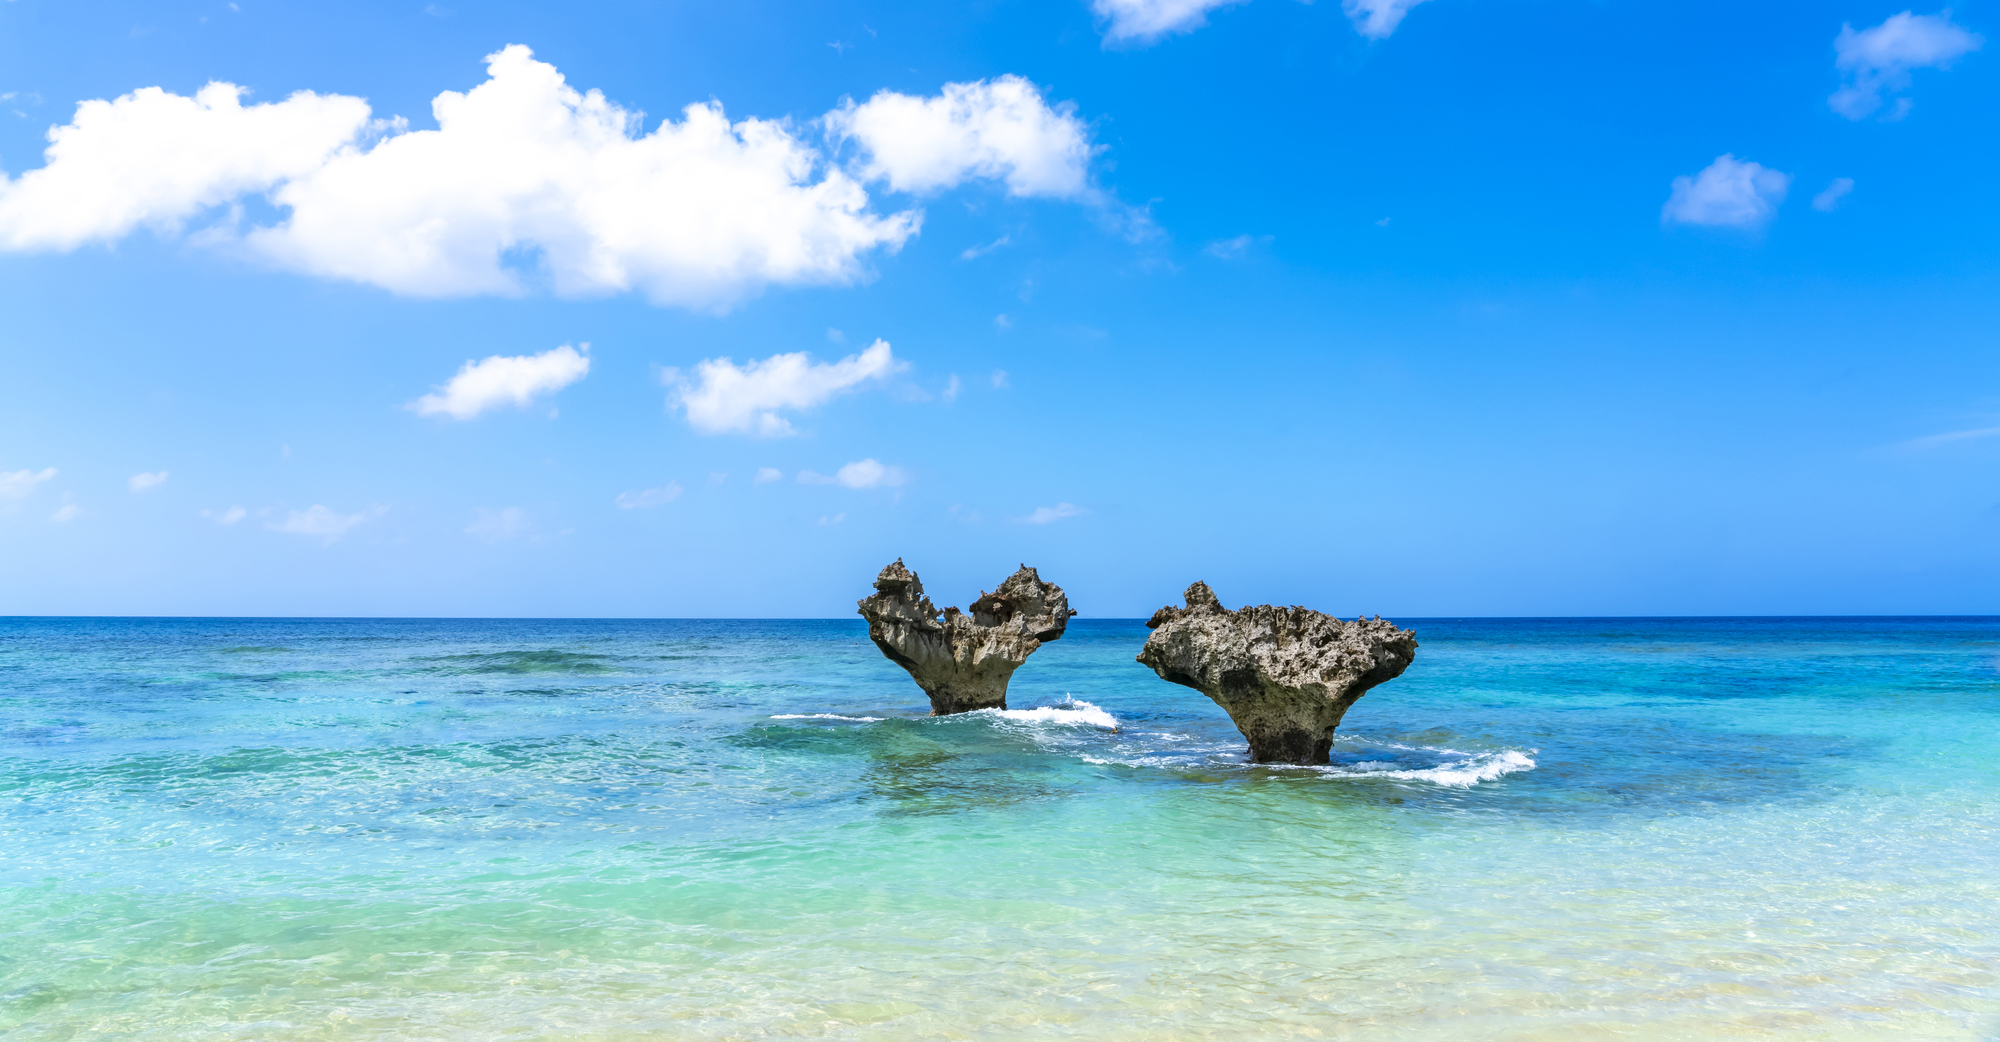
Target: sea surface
column 270, row 829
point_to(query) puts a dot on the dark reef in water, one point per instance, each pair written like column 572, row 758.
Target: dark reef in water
column 1285, row 675
column 963, row 662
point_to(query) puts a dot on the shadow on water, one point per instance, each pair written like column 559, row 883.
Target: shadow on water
column 929, row 766
column 517, row 662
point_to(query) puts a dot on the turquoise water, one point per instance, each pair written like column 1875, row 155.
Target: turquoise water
column 1547, row 829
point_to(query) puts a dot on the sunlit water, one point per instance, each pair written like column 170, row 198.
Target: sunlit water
column 1641, row 829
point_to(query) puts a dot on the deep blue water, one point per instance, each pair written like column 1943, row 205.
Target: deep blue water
column 1547, row 828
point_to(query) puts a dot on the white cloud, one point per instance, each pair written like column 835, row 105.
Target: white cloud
column 66, row 512
column 529, row 183
column 317, row 520
column 1044, row 515
column 976, row 252
column 1144, row 21
column 501, row 379
column 650, row 497
column 700, row 212
column 998, row 379
column 866, row 473
column 1234, row 249
column 1376, row 19
column 1878, row 60
column 226, row 517
column 830, row 520
column 19, row 484
column 496, row 526
column 725, row 398
column 157, row 159
column 142, row 482
column 1934, row 440
column 999, row 129
column 766, row 475
column 1728, row 193
column 1829, row 198
column 951, row 389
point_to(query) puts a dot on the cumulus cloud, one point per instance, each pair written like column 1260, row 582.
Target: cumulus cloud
column 1877, row 61
column 527, row 183
column 1829, row 198
column 765, row 475
column 866, row 473
column 142, row 482
column 317, row 520
column 158, row 159
column 1045, row 515
column 1144, row 21
column 502, row 379
column 999, row 129
column 725, row 398
column 19, row 484
column 1730, row 193
column 498, row 526
column 649, row 497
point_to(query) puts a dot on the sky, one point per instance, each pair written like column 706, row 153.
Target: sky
column 1445, row 308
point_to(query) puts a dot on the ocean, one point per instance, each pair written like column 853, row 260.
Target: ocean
column 277, row 829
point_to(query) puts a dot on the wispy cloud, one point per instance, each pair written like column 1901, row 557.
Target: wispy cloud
column 865, row 473
column 1935, row 440
column 976, row 252
column 142, row 482
column 505, row 379
column 1234, row 249
column 650, row 497
column 327, row 524
column 228, row 516
column 19, row 484
column 498, row 526
column 725, row 398
column 766, row 475
column 1829, row 198
column 1047, row 515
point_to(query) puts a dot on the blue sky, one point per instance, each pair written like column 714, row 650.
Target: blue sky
column 1471, row 307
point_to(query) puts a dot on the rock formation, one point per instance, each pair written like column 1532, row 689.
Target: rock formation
column 963, row 662
column 1285, row 675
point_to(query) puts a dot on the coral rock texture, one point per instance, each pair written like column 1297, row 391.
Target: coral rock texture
column 1285, row 675
column 963, row 662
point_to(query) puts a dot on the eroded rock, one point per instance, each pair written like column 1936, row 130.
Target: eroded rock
column 963, row 662
column 1285, row 675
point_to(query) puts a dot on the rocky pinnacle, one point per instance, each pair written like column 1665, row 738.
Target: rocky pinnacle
column 963, row 662
column 1285, row 675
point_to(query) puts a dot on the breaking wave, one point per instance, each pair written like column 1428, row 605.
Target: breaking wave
column 1462, row 771
column 1072, row 712
column 827, row 716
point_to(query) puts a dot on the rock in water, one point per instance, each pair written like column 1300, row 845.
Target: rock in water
column 1285, row 675
column 963, row 662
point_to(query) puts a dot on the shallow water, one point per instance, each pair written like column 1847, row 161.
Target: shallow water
column 1547, row 829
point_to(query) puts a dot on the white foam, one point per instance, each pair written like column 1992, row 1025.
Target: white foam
column 826, row 716
column 1075, row 713
column 1463, row 774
